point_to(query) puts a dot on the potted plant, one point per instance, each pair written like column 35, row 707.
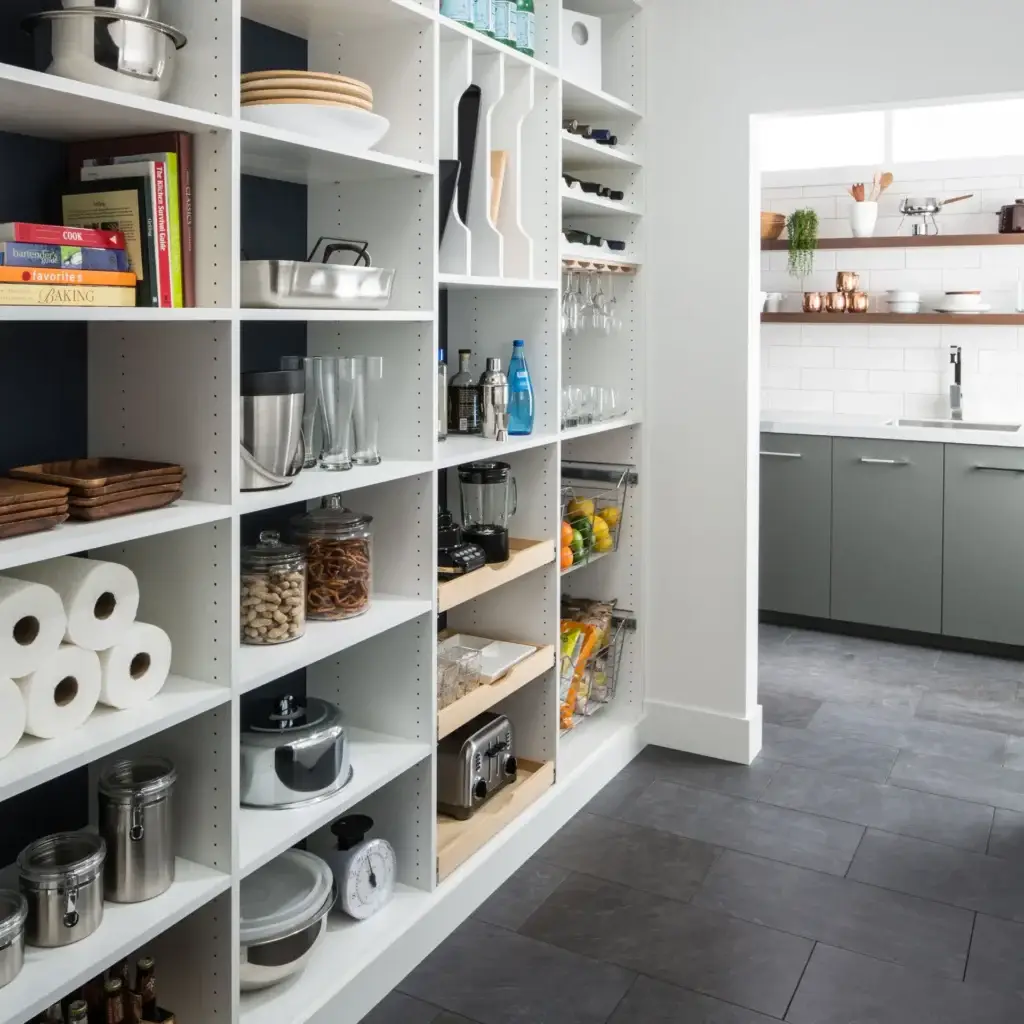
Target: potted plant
column 802, row 227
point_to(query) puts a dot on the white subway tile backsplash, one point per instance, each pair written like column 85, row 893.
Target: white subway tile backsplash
column 872, row 259
column 926, row 406
column 992, row 199
column 782, row 378
column 965, row 223
column 871, row 358
column 824, row 208
column 783, row 357
column 919, row 382
column 820, row 191
column 834, row 380
column 927, row 282
column 789, row 192
column 833, row 334
column 956, row 186
column 1000, row 361
column 979, row 337
column 898, row 336
column 944, row 258
column 868, row 404
column 1002, row 256
column 933, row 359
column 800, row 401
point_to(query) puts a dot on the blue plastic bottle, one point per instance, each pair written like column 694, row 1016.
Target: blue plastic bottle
column 520, row 392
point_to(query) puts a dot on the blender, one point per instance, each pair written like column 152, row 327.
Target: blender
column 487, row 492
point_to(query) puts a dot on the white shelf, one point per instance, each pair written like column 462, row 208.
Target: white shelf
column 604, row 8
column 309, row 18
column 582, row 101
column 49, row 974
column 312, row 484
column 376, row 759
column 75, row 535
column 459, row 448
column 370, row 316
column 583, row 154
column 571, row 433
column 35, row 103
column 257, row 664
column 485, row 44
column 576, row 201
column 116, row 314
column 594, row 254
column 34, row 761
column 468, row 282
column 290, row 156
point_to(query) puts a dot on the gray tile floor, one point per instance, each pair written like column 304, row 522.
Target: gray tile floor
column 869, row 867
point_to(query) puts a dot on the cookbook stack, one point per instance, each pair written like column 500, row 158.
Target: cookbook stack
column 27, row 507
column 103, row 488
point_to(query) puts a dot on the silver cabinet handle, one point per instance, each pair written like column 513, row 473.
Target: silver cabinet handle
column 1001, row 469
column 784, row 455
column 885, row 462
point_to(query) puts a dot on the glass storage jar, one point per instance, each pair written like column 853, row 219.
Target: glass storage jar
column 338, row 544
column 273, row 591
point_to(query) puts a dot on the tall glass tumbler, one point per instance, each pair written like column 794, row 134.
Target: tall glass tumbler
column 337, row 387
column 368, row 410
column 312, row 421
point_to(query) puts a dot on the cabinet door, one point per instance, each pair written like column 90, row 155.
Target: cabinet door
column 983, row 542
column 887, row 533
column 796, row 514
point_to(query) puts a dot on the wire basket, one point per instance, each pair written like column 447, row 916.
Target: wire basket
column 593, row 510
column 601, row 675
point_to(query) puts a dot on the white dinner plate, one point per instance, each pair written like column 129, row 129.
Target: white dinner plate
column 497, row 656
column 967, row 312
column 344, row 127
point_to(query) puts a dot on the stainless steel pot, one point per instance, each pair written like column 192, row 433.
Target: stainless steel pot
column 13, row 912
column 137, row 823
column 270, row 408
column 61, row 878
column 140, row 8
column 292, row 754
column 105, row 47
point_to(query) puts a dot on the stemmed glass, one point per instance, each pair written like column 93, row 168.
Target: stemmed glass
column 572, row 305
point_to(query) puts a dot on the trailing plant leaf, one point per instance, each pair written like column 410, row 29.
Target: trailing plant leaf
column 802, row 226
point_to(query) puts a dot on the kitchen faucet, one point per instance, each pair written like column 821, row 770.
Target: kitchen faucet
column 956, row 398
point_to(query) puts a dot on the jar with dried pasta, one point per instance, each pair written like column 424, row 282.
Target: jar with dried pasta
column 273, row 591
column 338, row 544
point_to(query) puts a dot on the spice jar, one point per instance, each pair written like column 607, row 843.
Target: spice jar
column 273, row 607
column 339, row 546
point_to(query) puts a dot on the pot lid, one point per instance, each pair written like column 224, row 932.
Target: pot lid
column 283, row 897
column 143, row 780
column 271, row 550
column 13, row 912
column 330, row 517
column 282, row 721
column 48, row 861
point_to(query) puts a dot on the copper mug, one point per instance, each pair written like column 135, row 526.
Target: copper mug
column 847, row 281
column 814, row 302
column 835, row 302
column 857, row 302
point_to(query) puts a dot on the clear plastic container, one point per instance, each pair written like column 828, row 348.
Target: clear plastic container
column 458, row 673
column 273, row 601
column 338, row 545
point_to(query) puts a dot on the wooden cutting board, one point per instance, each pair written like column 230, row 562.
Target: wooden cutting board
column 98, row 472
column 123, row 508
column 23, row 492
column 128, row 485
column 77, row 501
column 257, row 98
column 312, row 76
column 40, row 513
column 30, row 526
column 309, row 85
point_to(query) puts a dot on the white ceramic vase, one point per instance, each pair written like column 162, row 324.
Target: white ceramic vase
column 863, row 217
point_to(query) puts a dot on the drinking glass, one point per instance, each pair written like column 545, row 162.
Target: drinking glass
column 367, row 409
column 337, row 387
column 312, row 432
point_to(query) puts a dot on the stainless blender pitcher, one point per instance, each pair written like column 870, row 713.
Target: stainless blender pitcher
column 487, row 491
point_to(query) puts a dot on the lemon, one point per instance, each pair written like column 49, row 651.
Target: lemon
column 581, row 507
column 601, row 528
column 604, row 544
column 610, row 515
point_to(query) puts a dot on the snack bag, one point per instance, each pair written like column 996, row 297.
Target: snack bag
column 572, row 642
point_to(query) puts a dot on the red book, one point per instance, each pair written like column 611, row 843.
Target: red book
column 57, row 234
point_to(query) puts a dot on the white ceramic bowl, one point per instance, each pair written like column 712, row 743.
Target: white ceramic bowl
column 355, row 131
column 904, row 307
column 963, row 301
column 895, row 295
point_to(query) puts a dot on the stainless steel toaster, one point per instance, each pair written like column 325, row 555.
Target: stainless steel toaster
column 473, row 763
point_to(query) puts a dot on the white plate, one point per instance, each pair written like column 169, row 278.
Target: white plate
column 497, row 656
column 967, row 312
column 344, row 127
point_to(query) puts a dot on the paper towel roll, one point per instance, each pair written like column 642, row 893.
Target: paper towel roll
column 12, row 716
column 100, row 599
column 32, row 624
column 62, row 693
column 134, row 670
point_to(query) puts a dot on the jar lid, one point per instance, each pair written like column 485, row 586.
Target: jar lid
column 48, row 861
column 283, row 721
column 273, row 382
column 331, row 517
column 271, row 550
column 484, row 472
column 13, row 912
column 290, row 893
column 143, row 780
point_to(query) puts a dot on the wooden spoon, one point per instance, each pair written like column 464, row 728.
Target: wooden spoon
column 885, row 182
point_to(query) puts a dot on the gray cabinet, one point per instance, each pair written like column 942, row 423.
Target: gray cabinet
column 887, row 533
column 796, row 512
column 983, row 568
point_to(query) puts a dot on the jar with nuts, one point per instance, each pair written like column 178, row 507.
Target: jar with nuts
column 273, row 591
column 338, row 545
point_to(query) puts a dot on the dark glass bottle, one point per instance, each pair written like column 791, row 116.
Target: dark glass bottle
column 464, row 400
column 113, row 1001
column 145, row 984
column 78, row 1012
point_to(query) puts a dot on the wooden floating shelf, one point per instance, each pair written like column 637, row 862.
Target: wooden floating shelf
column 483, row 698
column 905, row 319
column 526, row 556
column 457, row 841
column 901, row 242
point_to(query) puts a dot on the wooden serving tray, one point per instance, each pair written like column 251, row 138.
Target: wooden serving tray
column 27, row 494
column 123, row 508
column 77, row 493
column 309, row 85
column 18, row 514
column 30, row 526
column 255, row 99
column 77, row 501
column 251, row 77
column 95, row 472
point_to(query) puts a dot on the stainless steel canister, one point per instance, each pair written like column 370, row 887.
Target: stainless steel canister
column 137, row 821
column 13, row 912
column 61, row 877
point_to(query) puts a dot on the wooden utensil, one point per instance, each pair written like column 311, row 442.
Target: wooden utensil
column 499, row 162
column 323, row 76
column 123, row 508
column 16, row 492
column 43, row 513
column 885, row 182
column 309, row 85
column 98, row 472
column 31, row 526
column 876, row 183
column 296, row 96
column 957, row 199
column 77, row 501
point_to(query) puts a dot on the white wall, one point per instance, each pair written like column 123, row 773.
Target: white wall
column 711, row 66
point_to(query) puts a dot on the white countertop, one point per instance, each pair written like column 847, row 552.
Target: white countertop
column 840, row 425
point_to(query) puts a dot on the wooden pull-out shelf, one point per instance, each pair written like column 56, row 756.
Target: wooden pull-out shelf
column 526, row 555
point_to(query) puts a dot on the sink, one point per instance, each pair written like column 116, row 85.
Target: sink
column 955, row 425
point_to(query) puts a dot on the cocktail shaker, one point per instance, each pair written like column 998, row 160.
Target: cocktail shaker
column 494, row 401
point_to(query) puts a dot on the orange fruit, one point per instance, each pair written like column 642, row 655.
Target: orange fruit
column 566, row 534
column 566, row 557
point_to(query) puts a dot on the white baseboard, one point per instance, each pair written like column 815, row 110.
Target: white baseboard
column 700, row 731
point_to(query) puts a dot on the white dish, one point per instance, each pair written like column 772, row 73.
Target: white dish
column 497, row 657
column 963, row 312
column 345, row 127
column 895, row 295
column 954, row 303
column 904, row 307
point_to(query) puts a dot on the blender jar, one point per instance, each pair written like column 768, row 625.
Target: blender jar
column 487, row 492
column 339, row 549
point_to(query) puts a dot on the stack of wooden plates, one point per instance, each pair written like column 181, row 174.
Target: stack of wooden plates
column 316, row 88
column 104, row 488
column 27, row 507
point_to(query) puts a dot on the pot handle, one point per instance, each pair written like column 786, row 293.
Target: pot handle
column 137, row 829
column 68, row 892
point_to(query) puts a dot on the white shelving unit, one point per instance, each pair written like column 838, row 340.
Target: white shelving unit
column 162, row 384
